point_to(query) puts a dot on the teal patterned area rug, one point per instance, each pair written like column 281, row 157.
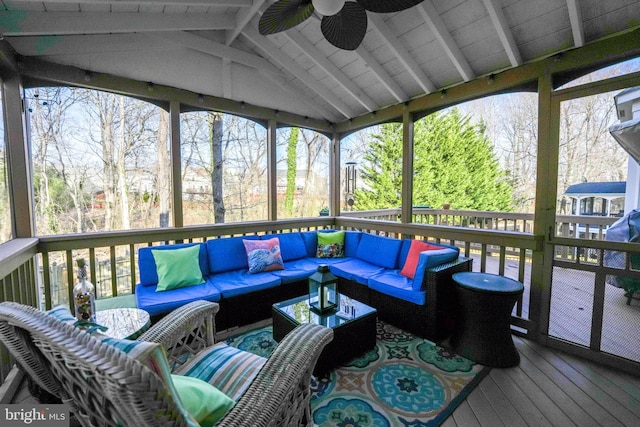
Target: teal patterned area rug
column 404, row 381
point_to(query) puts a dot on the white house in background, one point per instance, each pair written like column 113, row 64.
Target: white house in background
column 597, row 198
column 627, row 133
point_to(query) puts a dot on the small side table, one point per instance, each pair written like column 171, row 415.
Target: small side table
column 483, row 334
column 127, row 323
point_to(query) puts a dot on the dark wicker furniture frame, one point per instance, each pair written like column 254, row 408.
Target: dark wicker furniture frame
column 349, row 340
column 434, row 320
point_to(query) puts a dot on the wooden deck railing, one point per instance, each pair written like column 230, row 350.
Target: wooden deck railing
column 38, row 272
column 587, row 227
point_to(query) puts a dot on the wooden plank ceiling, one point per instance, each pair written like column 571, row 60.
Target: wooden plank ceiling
column 213, row 47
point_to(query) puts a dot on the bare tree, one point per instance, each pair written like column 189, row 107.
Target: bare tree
column 164, row 170
column 216, row 124
column 56, row 158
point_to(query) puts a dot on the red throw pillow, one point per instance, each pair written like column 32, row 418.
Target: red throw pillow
column 410, row 265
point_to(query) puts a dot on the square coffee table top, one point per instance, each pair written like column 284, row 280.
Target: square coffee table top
column 298, row 310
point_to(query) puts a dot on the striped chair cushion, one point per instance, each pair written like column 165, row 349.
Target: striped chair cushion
column 154, row 357
column 227, row 368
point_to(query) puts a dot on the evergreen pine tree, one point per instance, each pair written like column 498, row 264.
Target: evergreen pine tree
column 454, row 164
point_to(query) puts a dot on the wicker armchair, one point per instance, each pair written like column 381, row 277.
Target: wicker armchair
column 106, row 386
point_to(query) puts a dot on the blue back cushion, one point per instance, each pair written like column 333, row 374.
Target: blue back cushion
column 147, row 264
column 379, row 250
column 291, row 245
column 351, row 242
column 310, row 239
column 228, row 253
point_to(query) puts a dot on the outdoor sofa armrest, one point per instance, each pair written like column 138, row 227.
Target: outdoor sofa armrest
column 279, row 395
column 187, row 329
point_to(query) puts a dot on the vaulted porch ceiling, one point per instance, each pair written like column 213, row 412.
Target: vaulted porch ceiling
column 212, row 47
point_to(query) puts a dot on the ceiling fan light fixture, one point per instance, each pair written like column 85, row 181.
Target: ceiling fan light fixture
column 328, row 7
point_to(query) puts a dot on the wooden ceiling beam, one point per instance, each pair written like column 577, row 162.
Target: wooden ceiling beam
column 298, row 39
column 266, row 68
column 243, row 17
column 401, row 53
column 215, row 3
column 431, row 16
column 376, row 68
column 297, row 70
column 41, row 71
column 70, row 23
column 330, row 115
column 210, row 47
column 90, row 44
column 504, row 32
column 577, row 25
column 381, row 74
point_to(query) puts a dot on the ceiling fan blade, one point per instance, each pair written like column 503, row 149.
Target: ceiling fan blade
column 346, row 29
column 284, row 14
column 388, row 6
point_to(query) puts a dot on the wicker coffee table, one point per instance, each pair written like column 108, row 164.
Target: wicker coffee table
column 353, row 334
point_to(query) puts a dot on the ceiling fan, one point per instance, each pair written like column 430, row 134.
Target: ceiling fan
column 344, row 23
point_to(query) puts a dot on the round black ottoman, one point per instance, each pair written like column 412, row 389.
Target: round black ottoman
column 483, row 329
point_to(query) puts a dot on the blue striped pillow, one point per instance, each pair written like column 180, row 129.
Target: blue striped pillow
column 227, row 368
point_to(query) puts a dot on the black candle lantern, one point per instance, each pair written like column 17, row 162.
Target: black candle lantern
column 323, row 290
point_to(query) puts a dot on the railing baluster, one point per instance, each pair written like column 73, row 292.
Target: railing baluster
column 114, row 271
column 132, row 266
column 70, row 277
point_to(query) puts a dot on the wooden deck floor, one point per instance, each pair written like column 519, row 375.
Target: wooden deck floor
column 548, row 388
column 551, row 388
column 572, row 300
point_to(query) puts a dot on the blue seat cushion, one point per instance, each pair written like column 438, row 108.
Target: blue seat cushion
column 147, row 263
column 240, row 282
column 298, row 269
column 379, row 250
column 291, row 245
column 356, row 269
column 163, row 302
column 228, row 254
column 392, row 283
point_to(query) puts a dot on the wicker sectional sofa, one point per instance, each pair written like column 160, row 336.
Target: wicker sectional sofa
column 369, row 271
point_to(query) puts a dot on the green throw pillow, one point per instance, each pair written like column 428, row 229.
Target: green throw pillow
column 204, row 402
column 331, row 244
column 177, row 268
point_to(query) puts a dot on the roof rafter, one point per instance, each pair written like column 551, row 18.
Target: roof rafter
column 402, row 53
column 78, row 44
column 385, row 79
column 243, row 17
column 210, row 47
column 330, row 68
column 431, row 16
column 217, row 3
column 504, row 32
column 285, row 84
column 381, row 74
column 69, row 23
column 300, row 73
column 228, row 54
column 577, row 25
